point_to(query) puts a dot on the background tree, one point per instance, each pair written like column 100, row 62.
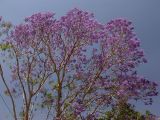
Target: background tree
column 74, row 67
column 126, row 111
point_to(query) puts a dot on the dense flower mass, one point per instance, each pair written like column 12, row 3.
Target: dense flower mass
column 80, row 65
column 80, row 25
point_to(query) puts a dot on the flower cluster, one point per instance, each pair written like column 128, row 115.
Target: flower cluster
column 78, row 107
column 80, row 25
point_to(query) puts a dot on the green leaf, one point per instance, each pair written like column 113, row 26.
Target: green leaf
column 49, row 95
column 4, row 47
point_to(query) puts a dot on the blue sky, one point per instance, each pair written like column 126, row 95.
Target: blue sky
column 143, row 13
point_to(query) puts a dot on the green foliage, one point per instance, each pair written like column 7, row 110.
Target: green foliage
column 21, row 114
column 4, row 47
column 70, row 116
column 126, row 112
column 49, row 95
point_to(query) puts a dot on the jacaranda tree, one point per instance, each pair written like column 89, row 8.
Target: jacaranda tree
column 74, row 67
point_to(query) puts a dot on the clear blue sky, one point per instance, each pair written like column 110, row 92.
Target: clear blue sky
column 145, row 15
